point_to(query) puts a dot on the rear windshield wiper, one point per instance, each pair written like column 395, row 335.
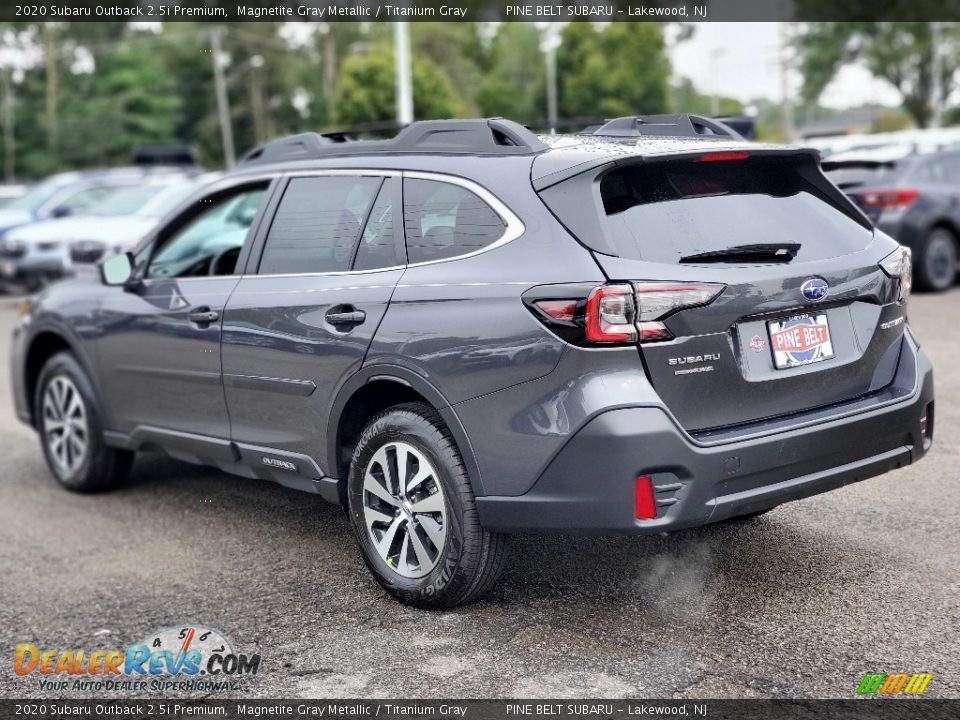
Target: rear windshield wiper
column 760, row 253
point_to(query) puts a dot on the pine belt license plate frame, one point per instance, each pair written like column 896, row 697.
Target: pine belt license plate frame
column 800, row 340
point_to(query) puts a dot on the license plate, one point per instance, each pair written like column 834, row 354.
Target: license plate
column 800, row 340
column 8, row 269
column 84, row 271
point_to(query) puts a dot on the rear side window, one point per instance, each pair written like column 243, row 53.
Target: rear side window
column 443, row 220
column 663, row 211
column 317, row 224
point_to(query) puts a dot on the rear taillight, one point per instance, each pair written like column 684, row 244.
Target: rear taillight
column 899, row 265
column 657, row 300
column 611, row 315
column 893, row 199
column 623, row 312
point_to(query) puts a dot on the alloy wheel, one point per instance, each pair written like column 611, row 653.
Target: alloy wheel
column 404, row 509
column 65, row 424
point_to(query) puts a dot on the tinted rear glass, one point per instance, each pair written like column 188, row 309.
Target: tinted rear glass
column 663, row 211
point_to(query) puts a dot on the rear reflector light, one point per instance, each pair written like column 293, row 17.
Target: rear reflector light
column 645, row 505
column 895, row 198
column 723, row 156
column 926, row 423
column 564, row 310
column 653, row 331
column 611, row 314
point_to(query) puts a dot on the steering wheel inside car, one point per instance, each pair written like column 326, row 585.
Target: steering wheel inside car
column 231, row 255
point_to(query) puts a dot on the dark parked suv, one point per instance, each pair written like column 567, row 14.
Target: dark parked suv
column 469, row 331
column 916, row 200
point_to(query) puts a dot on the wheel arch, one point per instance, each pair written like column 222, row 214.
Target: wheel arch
column 374, row 389
column 44, row 344
column 945, row 223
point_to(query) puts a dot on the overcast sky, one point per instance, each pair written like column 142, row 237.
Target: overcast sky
column 748, row 67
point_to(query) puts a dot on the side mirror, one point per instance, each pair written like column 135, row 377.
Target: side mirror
column 62, row 211
column 117, row 270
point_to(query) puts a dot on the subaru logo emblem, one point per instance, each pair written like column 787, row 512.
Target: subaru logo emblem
column 814, row 289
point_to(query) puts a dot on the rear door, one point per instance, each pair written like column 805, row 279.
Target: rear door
column 805, row 319
column 302, row 316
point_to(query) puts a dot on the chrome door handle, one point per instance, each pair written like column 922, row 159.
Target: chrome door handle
column 202, row 316
column 346, row 317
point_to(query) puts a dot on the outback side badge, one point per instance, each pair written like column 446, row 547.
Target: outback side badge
column 281, row 464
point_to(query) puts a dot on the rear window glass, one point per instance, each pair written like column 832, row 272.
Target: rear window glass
column 664, row 211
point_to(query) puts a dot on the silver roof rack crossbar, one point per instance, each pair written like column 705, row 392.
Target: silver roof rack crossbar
column 491, row 136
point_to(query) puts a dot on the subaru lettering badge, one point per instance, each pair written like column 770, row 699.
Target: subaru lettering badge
column 814, row 289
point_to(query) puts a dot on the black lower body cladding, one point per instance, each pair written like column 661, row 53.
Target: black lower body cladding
column 589, row 485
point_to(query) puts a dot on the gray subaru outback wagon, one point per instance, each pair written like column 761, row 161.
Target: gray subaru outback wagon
column 470, row 331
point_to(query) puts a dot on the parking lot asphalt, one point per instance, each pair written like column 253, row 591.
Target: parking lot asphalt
column 799, row 603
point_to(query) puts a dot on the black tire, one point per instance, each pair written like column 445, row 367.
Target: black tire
column 936, row 266
column 471, row 558
column 99, row 467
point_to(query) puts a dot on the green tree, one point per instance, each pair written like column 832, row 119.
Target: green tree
column 130, row 99
column 685, row 98
column 366, row 93
column 899, row 52
column 513, row 81
column 621, row 69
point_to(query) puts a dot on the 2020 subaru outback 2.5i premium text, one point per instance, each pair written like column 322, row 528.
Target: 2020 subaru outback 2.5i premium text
column 469, row 331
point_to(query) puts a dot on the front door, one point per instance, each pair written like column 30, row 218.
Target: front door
column 160, row 347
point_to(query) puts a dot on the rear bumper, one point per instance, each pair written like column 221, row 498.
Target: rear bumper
column 589, row 485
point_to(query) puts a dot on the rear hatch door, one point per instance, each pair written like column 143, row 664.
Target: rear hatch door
column 806, row 317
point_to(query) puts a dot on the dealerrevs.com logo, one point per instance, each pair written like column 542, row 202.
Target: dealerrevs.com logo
column 181, row 658
column 904, row 683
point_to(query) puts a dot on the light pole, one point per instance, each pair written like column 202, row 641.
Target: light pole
column 224, row 113
column 9, row 138
column 223, row 102
column 715, row 55
column 548, row 46
column 404, row 73
column 936, row 99
column 786, row 101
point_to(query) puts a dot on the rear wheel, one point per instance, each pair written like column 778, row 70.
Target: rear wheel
column 414, row 515
column 71, row 429
column 937, row 264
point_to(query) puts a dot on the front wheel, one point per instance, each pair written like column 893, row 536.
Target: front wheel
column 414, row 515
column 71, row 429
